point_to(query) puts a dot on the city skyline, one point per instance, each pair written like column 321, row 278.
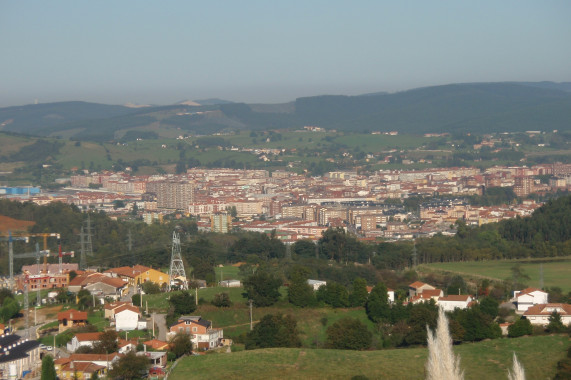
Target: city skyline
column 257, row 52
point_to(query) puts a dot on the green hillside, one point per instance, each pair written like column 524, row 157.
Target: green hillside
column 482, row 107
column 485, row 360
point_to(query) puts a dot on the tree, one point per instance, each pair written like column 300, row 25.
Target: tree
column 150, row 287
column 377, row 306
column 95, row 376
column 130, row 366
column 359, row 294
column 182, row 303
column 348, row 334
column 519, row 328
column 107, row 342
column 10, row 309
column 84, row 299
column 180, row 344
column 48, row 368
column 262, row 288
column 555, row 324
column 274, row 331
column 333, row 294
column 489, row 306
column 222, row 300
column 299, row 292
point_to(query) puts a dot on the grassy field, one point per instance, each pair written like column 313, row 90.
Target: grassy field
column 484, row 360
column 555, row 271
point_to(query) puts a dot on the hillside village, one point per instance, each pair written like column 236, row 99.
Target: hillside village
column 104, row 319
column 111, row 291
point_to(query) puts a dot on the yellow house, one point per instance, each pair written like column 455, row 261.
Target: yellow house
column 67, row 369
column 150, row 274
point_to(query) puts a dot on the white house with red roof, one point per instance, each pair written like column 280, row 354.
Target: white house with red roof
column 128, row 317
column 455, row 301
column 202, row 334
column 427, row 295
column 83, row 340
column 539, row 314
column 526, row 298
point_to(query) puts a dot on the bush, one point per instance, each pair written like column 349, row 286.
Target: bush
column 349, row 334
column 222, row 300
column 520, row 327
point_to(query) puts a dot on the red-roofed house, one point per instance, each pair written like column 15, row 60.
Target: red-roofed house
column 539, row 314
column 109, row 308
column 68, row 369
column 454, row 301
column 202, row 335
column 426, row 296
column 71, row 318
column 528, row 297
column 417, row 288
column 127, row 317
column 83, row 340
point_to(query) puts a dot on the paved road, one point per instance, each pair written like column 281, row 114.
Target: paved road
column 161, row 323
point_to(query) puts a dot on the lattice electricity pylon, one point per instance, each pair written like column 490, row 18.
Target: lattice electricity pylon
column 176, row 271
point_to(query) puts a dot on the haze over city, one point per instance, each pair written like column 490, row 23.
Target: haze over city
column 254, row 51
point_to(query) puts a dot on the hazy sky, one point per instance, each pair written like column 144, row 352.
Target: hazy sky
column 271, row 51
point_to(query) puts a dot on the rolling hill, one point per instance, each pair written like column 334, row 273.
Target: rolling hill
column 474, row 107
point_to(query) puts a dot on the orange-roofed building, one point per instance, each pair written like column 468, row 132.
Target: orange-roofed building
column 68, row 369
column 156, row 344
column 539, row 314
column 71, row 318
column 417, row 288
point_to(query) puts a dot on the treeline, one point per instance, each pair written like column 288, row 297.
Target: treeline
column 546, row 233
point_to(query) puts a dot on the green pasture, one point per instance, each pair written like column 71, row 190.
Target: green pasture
column 556, row 271
column 370, row 142
column 484, row 360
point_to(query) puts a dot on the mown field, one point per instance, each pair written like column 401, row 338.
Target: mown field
column 488, row 360
column 555, row 270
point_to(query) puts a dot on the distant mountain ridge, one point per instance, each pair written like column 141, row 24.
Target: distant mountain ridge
column 476, row 107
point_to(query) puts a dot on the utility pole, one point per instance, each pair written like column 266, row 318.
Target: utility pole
column 414, row 256
column 82, row 258
column 541, row 276
column 251, row 324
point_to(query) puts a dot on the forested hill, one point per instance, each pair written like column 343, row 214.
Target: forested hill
column 546, row 233
column 480, row 108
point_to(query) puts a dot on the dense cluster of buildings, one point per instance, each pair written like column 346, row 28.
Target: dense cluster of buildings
column 298, row 206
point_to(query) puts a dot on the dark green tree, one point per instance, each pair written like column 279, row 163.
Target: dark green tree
column 48, row 368
column 222, row 300
column 489, row 306
column 182, row 303
column 555, row 324
column 274, row 331
column 333, row 294
column 348, row 334
column 180, row 344
column 299, row 292
column 10, row 309
column 130, row 366
column 359, row 294
column 519, row 328
column 262, row 288
column 378, row 308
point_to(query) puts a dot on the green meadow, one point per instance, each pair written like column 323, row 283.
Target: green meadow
column 555, row 270
column 488, row 360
